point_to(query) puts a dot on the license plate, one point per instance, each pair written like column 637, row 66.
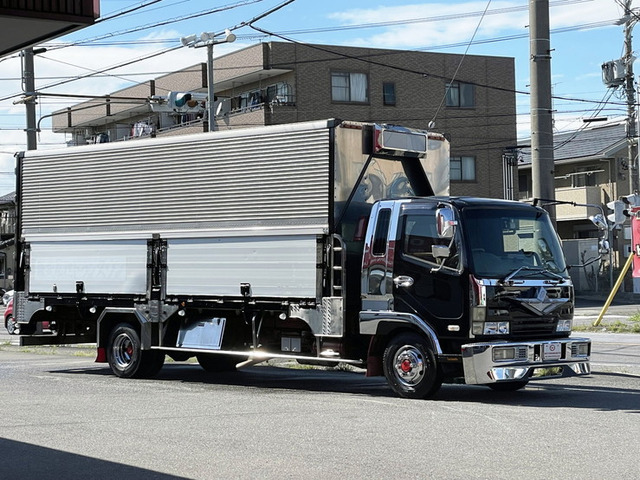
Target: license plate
column 551, row 351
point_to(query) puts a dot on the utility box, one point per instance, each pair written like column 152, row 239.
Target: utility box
column 579, row 252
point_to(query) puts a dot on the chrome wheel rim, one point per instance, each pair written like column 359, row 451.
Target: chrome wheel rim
column 409, row 365
column 123, row 351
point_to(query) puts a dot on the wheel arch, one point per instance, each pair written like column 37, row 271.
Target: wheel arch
column 385, row 327
column 110, row 317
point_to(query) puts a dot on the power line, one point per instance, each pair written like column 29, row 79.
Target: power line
column 368, row 59
column 449, row 85
column 360, row 26
column 101, row 72
column 127, row 11
column 169, row 21
column 80, row 77
column 409, row 21
column 167, row 50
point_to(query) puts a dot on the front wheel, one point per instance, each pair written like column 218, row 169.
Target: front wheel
column 12, row 326
column 410, row 366
column 126, row 357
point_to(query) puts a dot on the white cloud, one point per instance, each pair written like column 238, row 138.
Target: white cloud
column 447, row 23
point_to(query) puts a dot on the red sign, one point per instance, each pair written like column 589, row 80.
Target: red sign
column 635, row 240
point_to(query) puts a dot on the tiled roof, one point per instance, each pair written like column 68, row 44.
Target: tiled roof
column 8, row 198
column 591, row 142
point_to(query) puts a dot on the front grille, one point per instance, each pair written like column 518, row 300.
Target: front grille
column 525, row 323
column 531, row 326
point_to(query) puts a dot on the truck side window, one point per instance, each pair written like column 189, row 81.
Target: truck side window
column 420, row 234
column 382, row 231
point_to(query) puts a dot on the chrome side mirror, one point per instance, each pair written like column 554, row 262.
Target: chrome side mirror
column 440, row 251
column 446, row 222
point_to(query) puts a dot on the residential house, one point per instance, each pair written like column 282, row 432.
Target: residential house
column 591, row 168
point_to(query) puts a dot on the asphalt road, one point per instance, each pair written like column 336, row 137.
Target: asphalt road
column 68, row 418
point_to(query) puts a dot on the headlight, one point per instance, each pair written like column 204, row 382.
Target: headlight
column 563, row 326
column 495, row 328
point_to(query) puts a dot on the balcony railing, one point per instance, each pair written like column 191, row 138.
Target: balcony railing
column 583, row 195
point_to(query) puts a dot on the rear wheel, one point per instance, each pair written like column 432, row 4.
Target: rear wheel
column 126, row 357
column 410, row 366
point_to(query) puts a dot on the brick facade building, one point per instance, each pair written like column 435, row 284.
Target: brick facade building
column 276, row 83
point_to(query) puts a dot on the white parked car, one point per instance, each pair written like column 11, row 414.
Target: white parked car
column 6, row 297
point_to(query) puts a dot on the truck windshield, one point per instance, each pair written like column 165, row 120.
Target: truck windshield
column 516, row 243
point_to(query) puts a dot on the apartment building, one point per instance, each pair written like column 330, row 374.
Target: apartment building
column 276, row 82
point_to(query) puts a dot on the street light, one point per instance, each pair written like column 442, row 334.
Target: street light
column 208, row 40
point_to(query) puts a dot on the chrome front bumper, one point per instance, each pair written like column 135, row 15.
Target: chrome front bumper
column 491, row 362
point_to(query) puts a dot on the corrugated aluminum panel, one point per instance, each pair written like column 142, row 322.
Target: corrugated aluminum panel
column 275, row 266
column 103, row 266
column 256, row 177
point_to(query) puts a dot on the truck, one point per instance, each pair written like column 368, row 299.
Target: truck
column 326, row 242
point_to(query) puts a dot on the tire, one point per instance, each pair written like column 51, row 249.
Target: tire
column 126, row 357
column 214, row 363
column 12, row 326
column 508, row 386
column 410, row 366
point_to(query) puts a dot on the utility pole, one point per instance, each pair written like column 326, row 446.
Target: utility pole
column 630, row 91
column 29, row 89
column 542, row 165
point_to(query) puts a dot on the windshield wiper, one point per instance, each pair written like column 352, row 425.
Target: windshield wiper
column 533, row 270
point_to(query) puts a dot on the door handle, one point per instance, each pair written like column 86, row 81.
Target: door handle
column 403, row 281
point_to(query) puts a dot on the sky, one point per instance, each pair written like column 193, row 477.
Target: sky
column 145, row 35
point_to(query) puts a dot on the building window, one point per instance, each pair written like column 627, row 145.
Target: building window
column 349, row 87
column 524, row 186
column 463, row 169
column 460, row 95
column 389, row 93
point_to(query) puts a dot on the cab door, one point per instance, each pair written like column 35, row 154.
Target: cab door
column 434, row 290
column 379, row 254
